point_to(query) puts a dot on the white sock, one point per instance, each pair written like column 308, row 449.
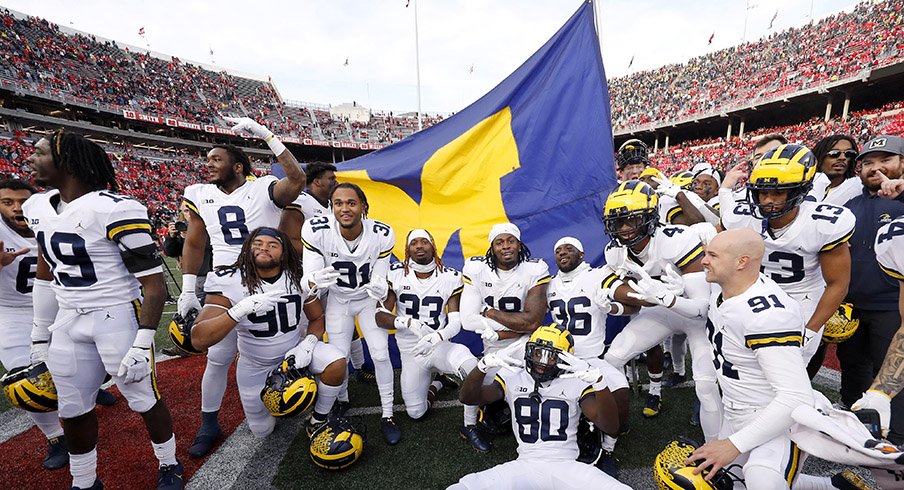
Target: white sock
column 471, row 414
column 326, row 396
column 385, row 381
column 83, row 468
column 213, row 386
column 48, row 422
column 655, row 383
column 810, row 482
column 166, row 452
column 343, row 390
column 356, row 354
column 609, row 442
column 437, row 385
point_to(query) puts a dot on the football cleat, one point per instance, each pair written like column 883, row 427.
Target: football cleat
column 630, row 152
column 289, row 391
column 97, row 485
column 180, row 333
column 340, row 408
column 631, row 213
column 365, row 376
column 30, row 388
column 391, row 432
column 207, row 435
column 474, row 437
column 670, row 472
column 842, row 325
column 338, row 443
column 848, row 480
column 541, row 354
column 313, row 424
column 449, row 383
column 787, row 168
column 105, row 398
column 653, row 406
column 608, row 464
column 673, row 379
column 57, row 454
column 169, row 477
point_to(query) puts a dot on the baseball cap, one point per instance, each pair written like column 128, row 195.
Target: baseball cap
column 884, row 143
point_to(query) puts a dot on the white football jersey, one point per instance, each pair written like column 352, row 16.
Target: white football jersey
column 230, row 218
column 321, row 237
column 424, row 299
column 571, row 305
column 547, row 428
column 309, row 206
column 79, row 245
column 890, row 248
column 792, row 259
column 763, row 316
column 17, row 278
column 505, row 290
column 673, row 246
column 669, row 207
column 839, row 196
column 264, row 337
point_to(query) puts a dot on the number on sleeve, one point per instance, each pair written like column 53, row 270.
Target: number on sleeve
column 672, row 231
column 381, row 228
column 896, row 228
column 834, row 211
column 320, row 223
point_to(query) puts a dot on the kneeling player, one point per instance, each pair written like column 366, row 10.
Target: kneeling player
column 262, row 296
column 545, row 412
column 422, row 290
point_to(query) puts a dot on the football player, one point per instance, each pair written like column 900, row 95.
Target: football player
column 756, row 333
column 96, row 258
column 631, row 159
column 504, row 298
column 706, row 185
column 579, row 304
column 546, row 406
column 224, row 211
column 18, row 262
column 426, row 296
column 807, row 253
column 359, row 248
column 262, row 297
column 312, row 202
column 641, row 249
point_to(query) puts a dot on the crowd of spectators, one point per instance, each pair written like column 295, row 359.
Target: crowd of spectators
column 795, row 59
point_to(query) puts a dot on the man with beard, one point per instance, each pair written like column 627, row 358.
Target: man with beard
column 872, row 292
column 426, row 296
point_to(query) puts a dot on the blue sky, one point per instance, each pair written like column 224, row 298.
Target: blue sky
column 303, row 44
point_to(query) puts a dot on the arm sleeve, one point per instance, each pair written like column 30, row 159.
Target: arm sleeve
column 784, row 368
column 128, row 226
column 695, row 301
column 470, row 308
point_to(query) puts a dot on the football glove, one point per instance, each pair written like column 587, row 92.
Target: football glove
column 303, row 352
column 811, row 343
column 488, row 333
column 666, row 187
column 651, row 291
column 878, row 401
column 427, row 343
column 413, row 325
column 322, row 279
column 39, row 352
column 490, row 361
column 188, row 300
column 136, row 364
column 580, row 369
column 601, row 298
column 256, row 303
column 377, row 288
column 673, row 281
column 257, row 129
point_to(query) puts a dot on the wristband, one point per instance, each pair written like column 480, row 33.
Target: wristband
column 189, row 282
column 276, row 146
column 144, row 338
column 619, row 309
column 401, row 322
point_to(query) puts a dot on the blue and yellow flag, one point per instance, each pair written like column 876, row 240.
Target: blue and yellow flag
column 536, row 151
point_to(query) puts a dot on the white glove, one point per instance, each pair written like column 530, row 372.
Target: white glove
column 673, row 281
column 666, row 187
column 256, row 303
column 322, row 279
column 413, row 325
column 377, row 288
column 879, row 402
column 490, row 361
column 427, row 343
column 303, row 352
column 39, row 352
column 651, row 291
column 255, row 128
column 188, row 300
column 488, row 333
column 581, row 369
column 601, row 298
column 136, row 365
column 811, row 343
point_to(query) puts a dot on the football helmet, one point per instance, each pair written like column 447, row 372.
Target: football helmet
column 683, row 179
column 630, row 152
column 787, row 168
column 289, row 391
column 541, row 355
column 338, row 443
column 30, row 388
column 180, row 332
column 671, row 473
column 634, row 204
column 842, row 325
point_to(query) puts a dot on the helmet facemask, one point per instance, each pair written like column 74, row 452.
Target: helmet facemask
column 542, row 361
column 640, row 224
column 796, row 194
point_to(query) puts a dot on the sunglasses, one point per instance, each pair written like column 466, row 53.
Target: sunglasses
column 837, row 153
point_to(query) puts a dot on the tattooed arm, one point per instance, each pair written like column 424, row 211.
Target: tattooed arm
column 890, row 379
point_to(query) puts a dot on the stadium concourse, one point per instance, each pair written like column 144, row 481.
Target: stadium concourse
column 157, row 116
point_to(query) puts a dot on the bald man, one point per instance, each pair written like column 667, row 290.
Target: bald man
column 756, row 331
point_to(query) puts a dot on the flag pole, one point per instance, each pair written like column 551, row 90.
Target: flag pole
column 417, row 64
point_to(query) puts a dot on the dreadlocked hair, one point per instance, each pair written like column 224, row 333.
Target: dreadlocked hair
column 523, row 255
column 244, row 264
column 358, row 191
column 436, row 257
column 83, row 159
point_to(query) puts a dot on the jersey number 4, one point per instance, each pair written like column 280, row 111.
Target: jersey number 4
column 536, row 422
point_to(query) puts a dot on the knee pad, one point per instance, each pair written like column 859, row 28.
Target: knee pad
column 261, row 428
column 759, row 477
column 416, row 411
column 708, row 394
column 379, row 355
